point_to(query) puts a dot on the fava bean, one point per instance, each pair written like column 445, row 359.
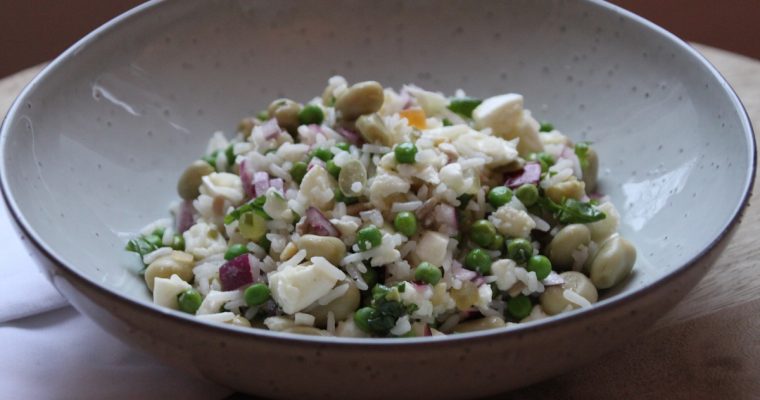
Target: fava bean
column 328, row 247
column 612, row 263
column 360, row 99
column 566, row 242
column 553, row 299
column 190, row 181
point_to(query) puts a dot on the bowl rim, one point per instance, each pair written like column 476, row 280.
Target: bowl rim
column 289, row 338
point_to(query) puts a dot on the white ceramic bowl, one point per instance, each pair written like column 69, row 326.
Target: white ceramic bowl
column 93, row 147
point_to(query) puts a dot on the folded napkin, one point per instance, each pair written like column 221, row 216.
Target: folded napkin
column 50, row 351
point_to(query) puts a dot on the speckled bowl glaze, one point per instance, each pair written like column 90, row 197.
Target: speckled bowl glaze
column 93, row 147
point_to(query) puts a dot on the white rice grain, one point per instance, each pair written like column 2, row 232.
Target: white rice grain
column 330, row 322
column 303, row 319
column 333, row 294
column 156, row 254
column 575, row 298
column 402, row 326
column 159, row 223
column 217, row 317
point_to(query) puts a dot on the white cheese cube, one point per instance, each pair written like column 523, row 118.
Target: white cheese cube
column 165, row 291
column 295, row 288
column 432, row 247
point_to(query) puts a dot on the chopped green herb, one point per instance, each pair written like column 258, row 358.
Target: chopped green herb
column 546, row 127
column 581, row 150
column 572, row 211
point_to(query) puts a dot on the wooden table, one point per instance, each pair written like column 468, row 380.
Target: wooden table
column 708, row 347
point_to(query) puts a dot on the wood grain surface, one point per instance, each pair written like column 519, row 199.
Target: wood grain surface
column 708, row 347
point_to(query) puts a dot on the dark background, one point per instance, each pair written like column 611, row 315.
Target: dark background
column 33, row 31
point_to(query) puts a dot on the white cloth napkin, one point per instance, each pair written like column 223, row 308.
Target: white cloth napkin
column 50, row 351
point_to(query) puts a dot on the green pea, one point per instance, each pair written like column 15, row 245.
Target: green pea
column 256, row 294
column 405, row 223
column 333, row 169
column 405, row 153
column 371, row 276
column 498, row 242
column 362, row 317
column 482, row 232
column 541, row 266
column 428, row 273
column 464, row 106
column 154, row 240
column 519, row 250
column 546, row 127
column 527, row 194
column 298, row 171
column 310, row 114
column 478, row 260
column 545, row 159
column 323, row 154
column 189, row 301
column 519, row 307
column 345, row 146
column 234, row 251
column 499, row 195
column 369, row 238
column 178, row 242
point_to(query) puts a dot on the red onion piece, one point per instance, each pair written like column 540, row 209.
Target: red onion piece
column 318, row 224
column 351, row 136
column 553, row 279
column 531, row 173
column 567, row 152
column 427, row 331
column 235, row 273
column 246, row 176
column 270, row 130
column 314, row 162
column 479, row 281
column 185, row 217
column 461, row 273
column 260, row 183
column 278, row 184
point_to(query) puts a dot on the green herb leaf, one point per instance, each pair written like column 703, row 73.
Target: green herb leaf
column 581, row 150
column 572, row 211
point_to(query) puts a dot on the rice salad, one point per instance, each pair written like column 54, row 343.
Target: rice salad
column 370, row 212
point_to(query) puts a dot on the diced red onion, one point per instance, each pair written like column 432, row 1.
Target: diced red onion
column 260, row 183
column 246, row 176
column 185, row 216
column 531, row 173
column 420, row 288
column 235, row 273
column 479, row 280
column 426, row 331
column 351, row 137
column 278, row 184
column 461, row 273
column 567, row 153
column 270, row 130
column 553, row 279
column 318, row 224
column 314, row 162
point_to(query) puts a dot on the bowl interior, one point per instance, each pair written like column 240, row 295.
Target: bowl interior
column 93, row 149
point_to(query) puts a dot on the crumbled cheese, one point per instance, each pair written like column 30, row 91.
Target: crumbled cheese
column 297, row 287
column 431, row 247
column 511, row 222
column 165, row 291
column 317, row 187
column 223, row 184
column 203, row 240
column 496, row 150
column 504, row 271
